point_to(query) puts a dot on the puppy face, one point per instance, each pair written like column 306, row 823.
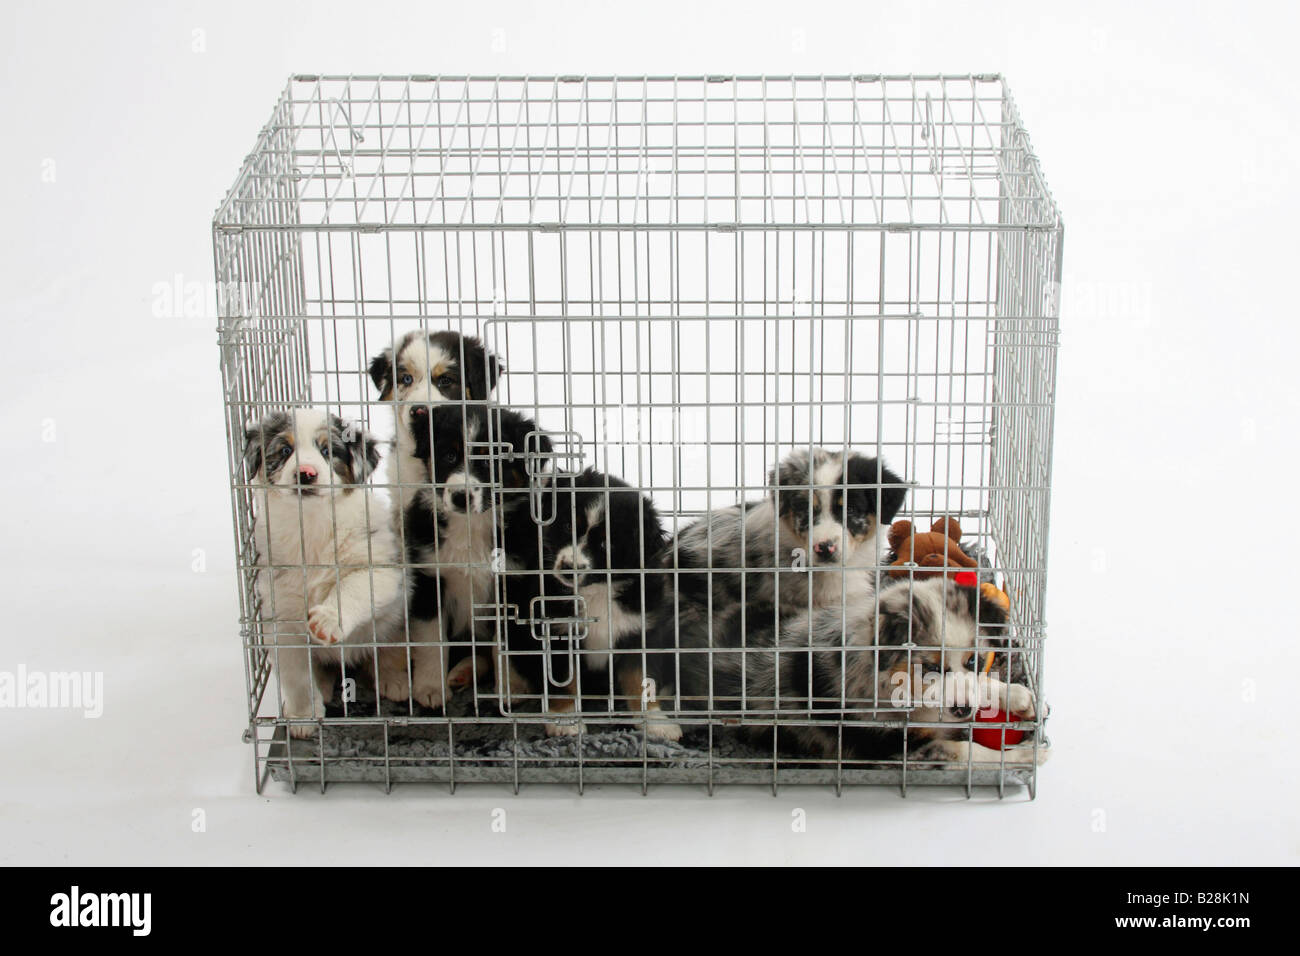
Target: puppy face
column 309, row 452
column 949, row 627
column 423, row 369
column 833, row 505
column 463, row 467
column 598, row 531
column 460, row 478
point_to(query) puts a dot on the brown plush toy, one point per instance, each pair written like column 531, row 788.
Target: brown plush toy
column 927, row 549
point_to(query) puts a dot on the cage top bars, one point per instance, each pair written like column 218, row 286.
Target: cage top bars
column 895, row 153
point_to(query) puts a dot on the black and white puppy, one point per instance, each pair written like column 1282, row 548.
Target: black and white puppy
column 917, row 650
column 814, row 533
column 605, row 536
column 474, row 481
column 330, row 573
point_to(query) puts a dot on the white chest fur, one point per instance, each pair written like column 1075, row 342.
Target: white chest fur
column 307, row 542
column 331, row 556
column 611, row 622
column 407, row 474
column 463, row 558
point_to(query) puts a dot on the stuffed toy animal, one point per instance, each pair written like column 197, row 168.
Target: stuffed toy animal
column 928, row 549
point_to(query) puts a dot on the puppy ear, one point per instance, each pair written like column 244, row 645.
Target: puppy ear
column 892, row 495
column 541, row 445
column 363, row 450
column 254, row 444
column 970, row 599
column 864, row 470
column 991, row 613
column 897, row 627
column 773, row 489
column 493, row 367
column 482, row 369
column 654, row 535
column 381, row 373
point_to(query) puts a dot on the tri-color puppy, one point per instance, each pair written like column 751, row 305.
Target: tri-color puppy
column 605, row 536
column 330, row 574
column 474, row 480
column 917, row 649
column 810, row 543
column 419, row 372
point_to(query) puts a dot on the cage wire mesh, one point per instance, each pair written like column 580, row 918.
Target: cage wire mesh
column 689, row 280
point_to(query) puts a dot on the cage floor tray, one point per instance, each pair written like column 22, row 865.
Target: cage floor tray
column 493, row 751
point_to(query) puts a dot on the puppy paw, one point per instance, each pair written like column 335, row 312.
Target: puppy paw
column 395, row 686
column 657, row 730
column 391, row 677
column 465, row 674
column 1025, row 753
column 314, row 710
column 572, row 729
column 323, row 623
column 429, row 693
column 1020, row 701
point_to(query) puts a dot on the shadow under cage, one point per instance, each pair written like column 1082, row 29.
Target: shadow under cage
column 688, row 281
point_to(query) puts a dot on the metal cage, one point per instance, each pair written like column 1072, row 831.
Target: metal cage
column 687, row 278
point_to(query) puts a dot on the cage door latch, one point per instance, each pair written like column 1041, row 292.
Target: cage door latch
column 559, row 622
column 562, row 460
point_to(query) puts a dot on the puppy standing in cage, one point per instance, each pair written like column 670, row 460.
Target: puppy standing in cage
column 329, row 575
column 605, row 536
column 913, row 651
column 472, row 490
column 419, row 372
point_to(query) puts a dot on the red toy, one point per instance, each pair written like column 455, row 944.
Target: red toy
column 996, row 738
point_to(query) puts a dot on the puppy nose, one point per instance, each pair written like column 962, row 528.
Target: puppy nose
column 458, row 500
column 564, row 564
column 825, row 549
column 420, row 411
column 306, row 475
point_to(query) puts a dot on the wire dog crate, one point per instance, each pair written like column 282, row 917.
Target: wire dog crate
column 688, row 279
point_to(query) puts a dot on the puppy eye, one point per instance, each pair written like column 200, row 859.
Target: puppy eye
column 445, row 382
column 324, row 449
column 449, row 456
column 406, row 378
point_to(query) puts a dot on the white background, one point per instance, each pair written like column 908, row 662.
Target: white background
column 1168, row 136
